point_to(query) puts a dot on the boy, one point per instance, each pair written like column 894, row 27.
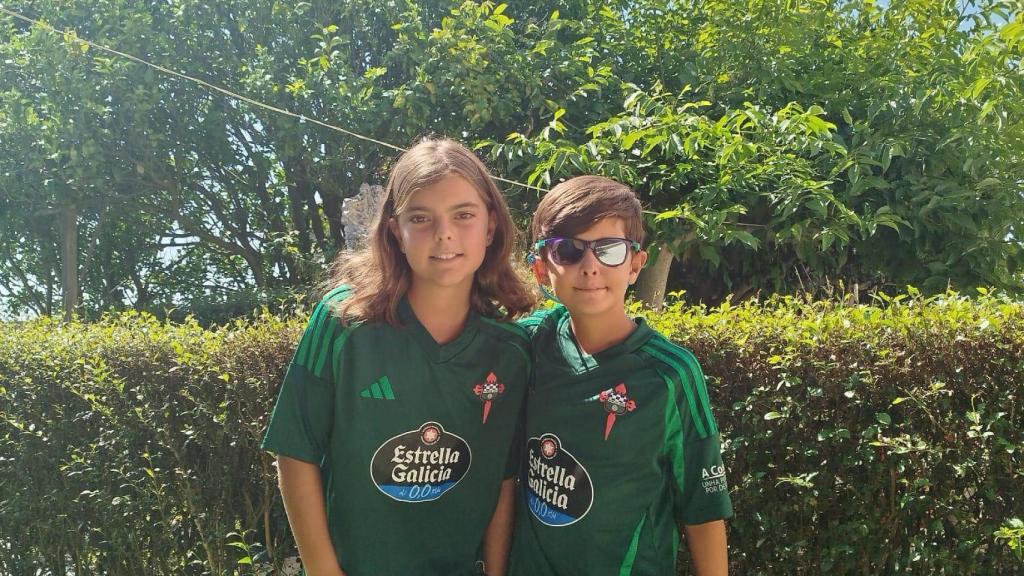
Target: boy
column 621, row 445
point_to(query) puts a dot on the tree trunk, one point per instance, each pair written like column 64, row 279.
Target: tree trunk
column 69, row 259
column 650, row 286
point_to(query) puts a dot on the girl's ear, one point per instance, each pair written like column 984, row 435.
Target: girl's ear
column 393, row 228
column 492, row 225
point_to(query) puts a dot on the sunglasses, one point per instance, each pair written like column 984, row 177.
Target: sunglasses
column 608, row 251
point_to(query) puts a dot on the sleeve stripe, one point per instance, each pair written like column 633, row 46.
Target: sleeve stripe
column 321, row 355
column 674, row 433
column 314, row 336
column 690, row 400
column 339, row 342
column 310, row 336
column 698, row 378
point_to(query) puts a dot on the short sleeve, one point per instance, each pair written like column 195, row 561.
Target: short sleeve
column 301, row 422
column 704, row 491
column 692, row 445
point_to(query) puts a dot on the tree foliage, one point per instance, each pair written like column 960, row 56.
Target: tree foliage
column 779, row 145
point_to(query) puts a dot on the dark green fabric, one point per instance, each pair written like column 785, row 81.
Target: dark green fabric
column 621, row 450
column 396, row 423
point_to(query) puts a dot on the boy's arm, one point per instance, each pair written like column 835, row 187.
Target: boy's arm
column 303, row 494
column 498, row 538
column 708, row 549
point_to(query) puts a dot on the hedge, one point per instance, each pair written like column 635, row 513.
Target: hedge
column 867, row 439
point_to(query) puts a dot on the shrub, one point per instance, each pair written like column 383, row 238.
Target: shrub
column 875, row 439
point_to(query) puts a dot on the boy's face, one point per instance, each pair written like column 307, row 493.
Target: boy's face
column 589, row 288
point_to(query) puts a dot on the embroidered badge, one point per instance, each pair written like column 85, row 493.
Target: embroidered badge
column 488, row 392
column 616, row 403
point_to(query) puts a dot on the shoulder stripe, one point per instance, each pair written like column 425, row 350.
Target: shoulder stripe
column 684, row 379
column 322, row 353
column 674, row 438
column 321, row 328
column 311, row 335
column 339, row 342
column 343, row 290
column 696, row 373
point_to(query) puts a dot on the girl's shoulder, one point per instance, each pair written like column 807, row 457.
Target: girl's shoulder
column 505, row 330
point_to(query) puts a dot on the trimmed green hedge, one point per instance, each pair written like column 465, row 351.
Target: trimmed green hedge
column 859, row 440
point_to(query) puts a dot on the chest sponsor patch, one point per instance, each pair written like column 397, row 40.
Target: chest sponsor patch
column 420, row 465
column 559, row 491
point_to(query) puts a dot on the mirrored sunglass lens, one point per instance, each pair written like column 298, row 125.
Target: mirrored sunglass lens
column 566, row 251
column 611, row 252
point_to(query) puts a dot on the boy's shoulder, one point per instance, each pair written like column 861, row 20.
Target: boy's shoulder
column 542, row 319
column 658, row 349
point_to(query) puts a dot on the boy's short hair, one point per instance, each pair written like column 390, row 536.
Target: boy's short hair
column 578, row 203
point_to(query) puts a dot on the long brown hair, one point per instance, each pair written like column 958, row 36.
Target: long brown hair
column 379, row 273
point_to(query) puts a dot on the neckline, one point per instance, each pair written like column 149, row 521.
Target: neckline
column 437, row 352
column 580, row 361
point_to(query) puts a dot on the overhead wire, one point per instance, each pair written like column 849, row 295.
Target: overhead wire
column 230, row 94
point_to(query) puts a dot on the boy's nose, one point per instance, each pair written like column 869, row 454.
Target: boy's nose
column 589, row 265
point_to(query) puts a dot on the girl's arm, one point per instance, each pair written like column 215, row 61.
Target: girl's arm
column 304, row 503
column 708, row 549
column 498, row 538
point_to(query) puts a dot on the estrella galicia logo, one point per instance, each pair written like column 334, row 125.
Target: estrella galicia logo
column 420, row 465
column 559, row 491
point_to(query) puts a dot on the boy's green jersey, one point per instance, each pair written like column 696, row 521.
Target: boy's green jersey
column 621, row 449
column 413, row 439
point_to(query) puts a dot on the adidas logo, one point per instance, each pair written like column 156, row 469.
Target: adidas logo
column 381, row 390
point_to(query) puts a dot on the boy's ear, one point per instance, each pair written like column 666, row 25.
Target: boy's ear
column 636, row 264
column 540, row 270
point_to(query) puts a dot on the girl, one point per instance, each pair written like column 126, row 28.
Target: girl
column 394, row 425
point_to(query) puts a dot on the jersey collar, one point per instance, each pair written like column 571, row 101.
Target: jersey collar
column 580, row 361
column 437, row 352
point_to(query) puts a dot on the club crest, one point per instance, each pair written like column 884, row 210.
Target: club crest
column 489, row 391
column 616, row 403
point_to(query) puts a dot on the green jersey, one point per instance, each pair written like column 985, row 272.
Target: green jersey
column 621, row 449
column 413, row 438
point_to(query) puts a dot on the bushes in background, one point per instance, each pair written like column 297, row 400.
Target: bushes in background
column 859, row 440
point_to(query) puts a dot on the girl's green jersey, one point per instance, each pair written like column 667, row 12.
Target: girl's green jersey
column 621, row 449
column 413, row 438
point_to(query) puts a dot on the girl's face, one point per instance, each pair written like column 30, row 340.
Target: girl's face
column 444, row 232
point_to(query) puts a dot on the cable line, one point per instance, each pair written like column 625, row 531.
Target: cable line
column 225, row 91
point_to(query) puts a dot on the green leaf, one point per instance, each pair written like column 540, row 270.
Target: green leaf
column 746, row 238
